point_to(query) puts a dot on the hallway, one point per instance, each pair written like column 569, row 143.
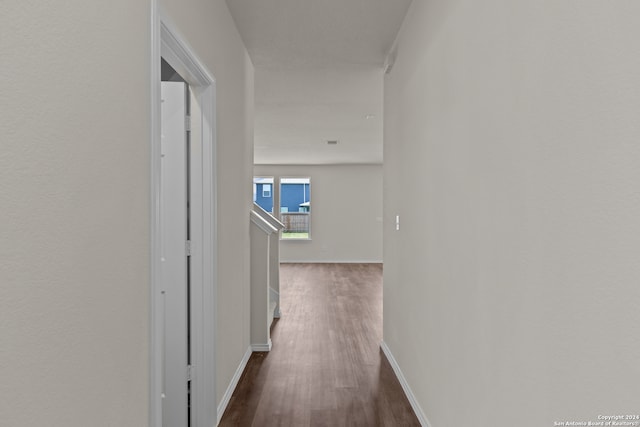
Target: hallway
column 326, row 367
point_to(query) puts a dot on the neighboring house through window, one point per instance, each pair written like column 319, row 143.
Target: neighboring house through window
column 295, row 207
column 263, row 192
column 294, row 195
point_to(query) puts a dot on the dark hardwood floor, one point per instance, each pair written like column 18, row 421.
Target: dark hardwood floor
column 326, row 367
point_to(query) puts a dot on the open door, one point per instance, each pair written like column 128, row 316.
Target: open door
column 174, row 225
column 183, row 234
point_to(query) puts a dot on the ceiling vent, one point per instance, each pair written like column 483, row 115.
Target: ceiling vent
column 332, row 142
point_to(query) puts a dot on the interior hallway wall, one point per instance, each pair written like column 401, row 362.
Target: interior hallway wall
column 511, row 289
column 74, row 213
column 346, row 213
column 74, row 186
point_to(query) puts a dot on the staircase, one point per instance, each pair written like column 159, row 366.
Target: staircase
column 265, row 276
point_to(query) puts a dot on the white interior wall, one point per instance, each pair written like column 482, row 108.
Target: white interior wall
column 74, row 191
column 511, row 289
column 74, row 169
column 346, row 213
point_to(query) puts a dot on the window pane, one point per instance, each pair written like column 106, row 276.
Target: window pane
column 295, row 207
column 262, row 194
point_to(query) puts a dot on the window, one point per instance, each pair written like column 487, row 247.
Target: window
column 295, row 207
column 262, row 192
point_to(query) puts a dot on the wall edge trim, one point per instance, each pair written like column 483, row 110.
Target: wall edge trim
column 233, row 384
column 259, row 348
column 405, row 386
column 324, row 261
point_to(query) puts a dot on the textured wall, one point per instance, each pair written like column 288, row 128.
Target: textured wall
column 346, row 212
column 74, row 196
column 74, row 192
column 511, row 290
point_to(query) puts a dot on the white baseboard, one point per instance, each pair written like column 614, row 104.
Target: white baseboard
column 232, row 385
column 261, row 347
column 405, row 385
column 324, row 261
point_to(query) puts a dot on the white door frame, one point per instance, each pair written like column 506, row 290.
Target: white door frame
column 168, row 43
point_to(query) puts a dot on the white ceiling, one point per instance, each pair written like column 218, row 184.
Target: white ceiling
column 319, row 76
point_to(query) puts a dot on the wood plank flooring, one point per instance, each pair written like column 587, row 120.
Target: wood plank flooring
column 326, row 367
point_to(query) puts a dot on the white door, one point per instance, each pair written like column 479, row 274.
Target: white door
column 174, row 257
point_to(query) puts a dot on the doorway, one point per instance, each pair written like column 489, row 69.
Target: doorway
column 183, row 238
column 175, row 248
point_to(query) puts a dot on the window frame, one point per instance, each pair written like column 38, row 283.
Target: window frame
column 266, row 194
